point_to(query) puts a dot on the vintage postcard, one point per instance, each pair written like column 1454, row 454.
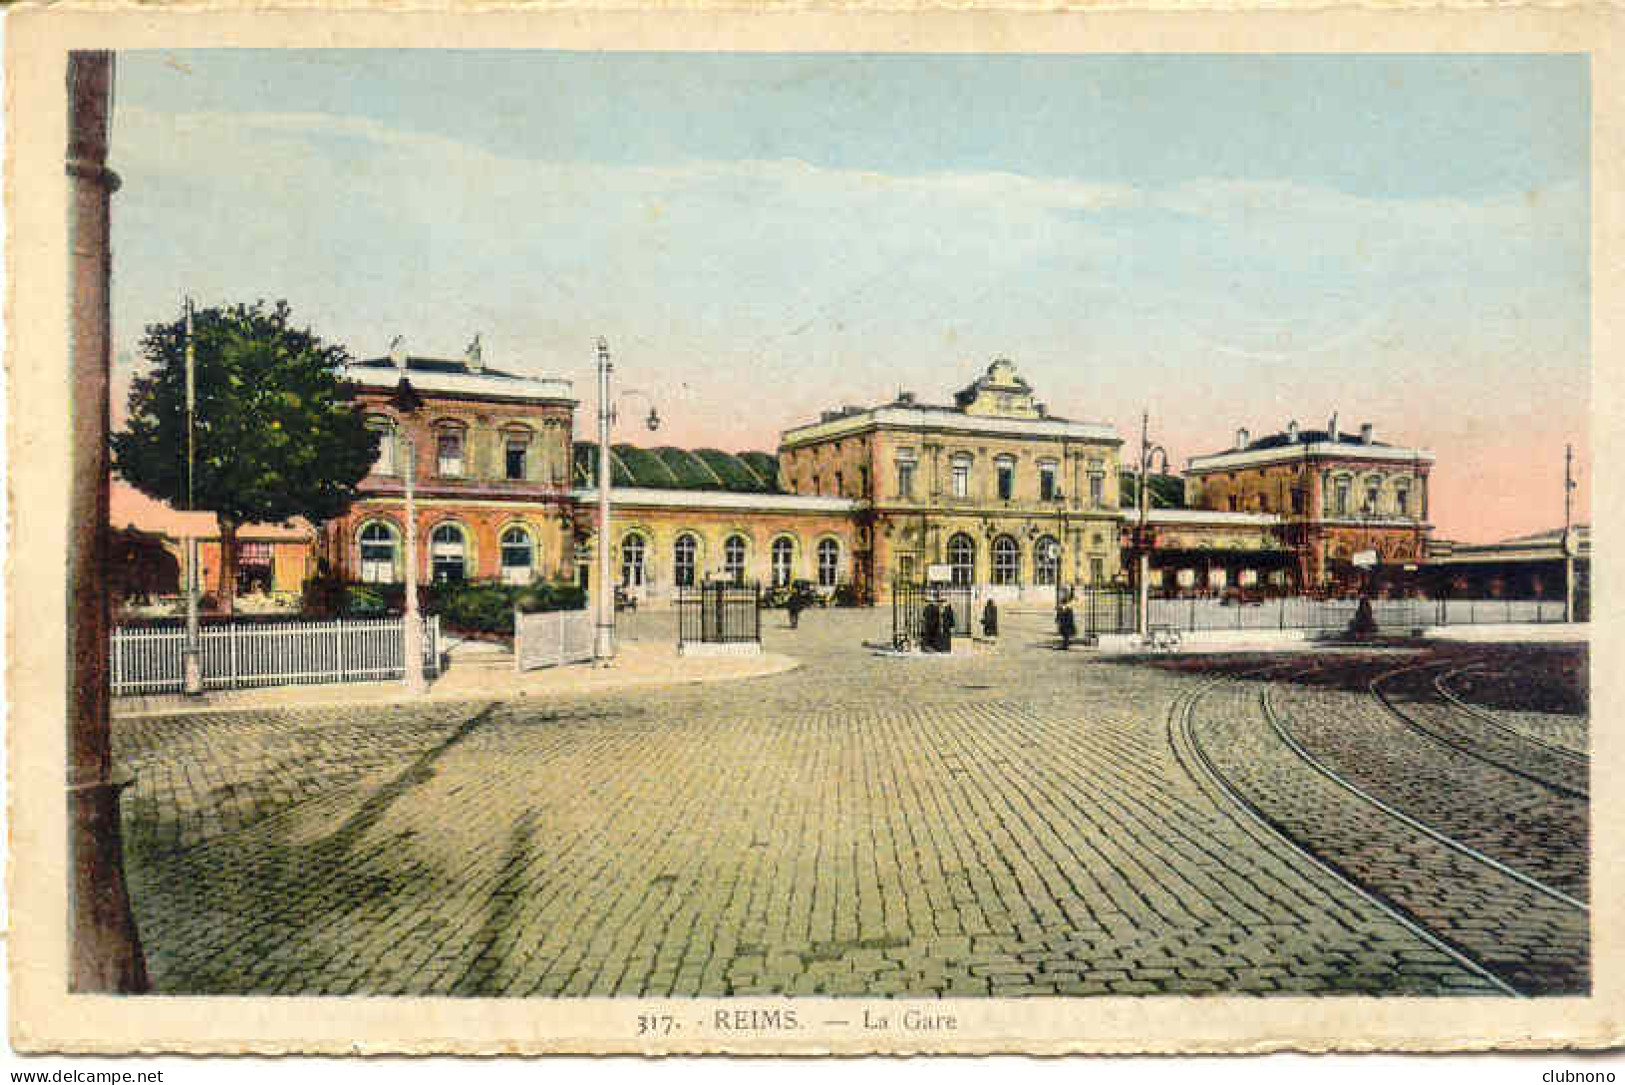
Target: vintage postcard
column 814, row 533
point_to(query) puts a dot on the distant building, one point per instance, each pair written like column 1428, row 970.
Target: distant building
column 491, row 456
column 993, row 489
column 1340, row 500
column 1525, row 567
column 149, row 554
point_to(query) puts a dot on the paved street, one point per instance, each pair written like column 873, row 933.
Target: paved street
column 1019, row 822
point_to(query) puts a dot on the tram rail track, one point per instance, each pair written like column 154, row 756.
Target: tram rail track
column 1498, row 745
column 1527, row 937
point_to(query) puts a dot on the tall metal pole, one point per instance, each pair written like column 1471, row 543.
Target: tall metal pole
column 604, row 643
column 1142, row 552
column 104, row 951
column 192, row 656
column 411, row 620
column 1569, row 547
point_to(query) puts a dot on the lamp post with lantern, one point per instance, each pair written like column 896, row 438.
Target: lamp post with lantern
column 604, row 639
column 1142, row 540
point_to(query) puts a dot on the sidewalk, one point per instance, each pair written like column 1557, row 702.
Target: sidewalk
column 638, row 663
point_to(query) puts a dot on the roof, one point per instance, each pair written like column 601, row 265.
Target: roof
column 455, row 376
column 129, row 507
column 668, row 468
column 437, row 365
column 1304, row 437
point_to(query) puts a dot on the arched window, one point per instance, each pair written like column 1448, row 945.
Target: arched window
column 733, row 558
column 632, row 552
column 1046, row 561
column 683, row 561
column 1006, row 561
column 962, row 559
column 518, row 556
column 783, row 554
column 448, row 554
column 378, row 550
column 384, row 427
column 829, row 563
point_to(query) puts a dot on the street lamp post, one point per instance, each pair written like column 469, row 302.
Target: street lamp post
column 1570, row 547
column 192, row 655
column 411, row 620
column 1148, row 452
column 604, row 640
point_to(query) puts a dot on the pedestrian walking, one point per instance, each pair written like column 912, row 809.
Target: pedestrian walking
column 947, row 643
column 1067, row 625
column 794, row 605
column 930, row 626
column 990, row 620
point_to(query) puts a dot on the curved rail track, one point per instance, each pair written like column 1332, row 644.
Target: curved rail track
column 1487, row 740
column 1530, row 936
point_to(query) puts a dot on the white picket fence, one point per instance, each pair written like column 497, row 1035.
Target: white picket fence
column 551, row 638
column 236, row 655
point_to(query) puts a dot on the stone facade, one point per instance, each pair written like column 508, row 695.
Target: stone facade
column 1338, row 495
column 490, row 454
column 1012, row 499
column 664, row 539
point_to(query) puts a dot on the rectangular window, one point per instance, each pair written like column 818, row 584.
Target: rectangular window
column 1097, row 570
column 1046, row 481
column 449, row 448
column 385, row 463
column 961, row 479
column 1097, row 490
column 1340, row 503
column 1007, row 481
column 516, row 459
column 840, row 485
column 905, row 480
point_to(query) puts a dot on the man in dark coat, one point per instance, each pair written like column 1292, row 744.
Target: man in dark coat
column 990, row 620
column 930, row 627
column 1066, row 625
column 947, row 642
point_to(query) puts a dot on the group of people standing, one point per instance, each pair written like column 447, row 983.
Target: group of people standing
column 937, row 624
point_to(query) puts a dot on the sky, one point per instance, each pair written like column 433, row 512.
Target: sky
column 1223, row 241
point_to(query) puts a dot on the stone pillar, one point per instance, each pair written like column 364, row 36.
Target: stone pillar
column 105, row 952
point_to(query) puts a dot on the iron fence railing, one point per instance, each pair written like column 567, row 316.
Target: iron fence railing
column 719, row 612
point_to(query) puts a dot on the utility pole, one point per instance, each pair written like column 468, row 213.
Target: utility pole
column 104, row 950
column 1570, row 546
column 1148, row 452
column 604, row 642
column 411, row 620
column 192, row 656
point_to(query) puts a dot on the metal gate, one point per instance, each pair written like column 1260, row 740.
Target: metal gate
column 719, row 612
column 1103, row 610
column 908, row 600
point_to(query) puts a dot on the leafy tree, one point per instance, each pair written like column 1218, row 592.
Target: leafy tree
column 276, row 435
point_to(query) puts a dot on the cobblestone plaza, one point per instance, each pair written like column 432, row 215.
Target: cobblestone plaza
column 1019, row 821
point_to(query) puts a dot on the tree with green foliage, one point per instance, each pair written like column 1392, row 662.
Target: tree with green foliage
column 276, row 433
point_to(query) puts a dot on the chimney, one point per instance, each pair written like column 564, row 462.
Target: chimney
column 1331, row 429
column 1241, row 439
column 1292, row 430
column 471, row 356
column 397, row 352
column 1365, row 433
column 906, row 399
